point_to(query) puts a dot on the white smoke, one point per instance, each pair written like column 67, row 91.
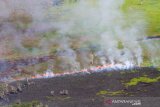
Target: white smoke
column 106, row 23
column 85, row 31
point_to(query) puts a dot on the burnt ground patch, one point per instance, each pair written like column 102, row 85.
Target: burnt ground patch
column 83, row 89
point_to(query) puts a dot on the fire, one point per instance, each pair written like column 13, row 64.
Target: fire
column 105, row 67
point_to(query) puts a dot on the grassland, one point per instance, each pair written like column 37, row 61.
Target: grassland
column 151, row 9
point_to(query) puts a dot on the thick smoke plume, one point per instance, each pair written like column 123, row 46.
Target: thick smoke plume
column 79, row 33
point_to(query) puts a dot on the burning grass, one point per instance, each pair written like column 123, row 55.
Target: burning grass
column 69, row 41
column 108, row 67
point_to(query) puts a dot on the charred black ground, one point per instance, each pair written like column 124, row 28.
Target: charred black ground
column 89, row 90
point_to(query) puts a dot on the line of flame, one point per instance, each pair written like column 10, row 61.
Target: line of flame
column 106, row 67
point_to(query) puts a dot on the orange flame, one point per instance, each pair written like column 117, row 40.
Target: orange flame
column 50, row 74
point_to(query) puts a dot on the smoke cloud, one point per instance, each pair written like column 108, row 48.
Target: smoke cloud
column 80, row 33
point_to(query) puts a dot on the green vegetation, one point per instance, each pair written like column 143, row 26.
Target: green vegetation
column 22, row 21
column 54, row 98
column 144, row 79
column 29, row 104
column 151, row 9
column 146, row 63
column 120, row 45
column 158, row 68
column 134, row 71
column 113, row 93
column 109, row 74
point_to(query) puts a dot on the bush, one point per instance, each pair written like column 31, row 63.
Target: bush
column 20, row 19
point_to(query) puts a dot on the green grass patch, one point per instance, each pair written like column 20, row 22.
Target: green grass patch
column 54, row 98
column 120, row 45
column 113, row 93
column 158, row 68
column 151, row 9
column 29, row 104
column 134, row 71
column 144, row 79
